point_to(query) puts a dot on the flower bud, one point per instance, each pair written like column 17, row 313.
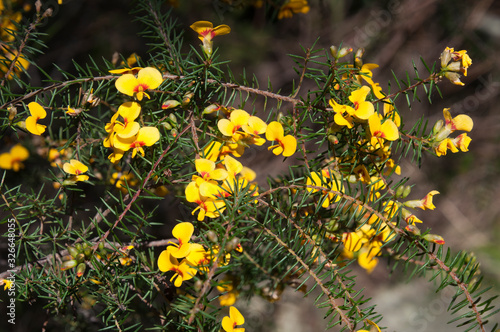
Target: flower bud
column 187, row 98
column 434, row 238
column 169, row 104
column 78, row 246
column 73, row 251
column 412, row 229
column 198, row 285
column 172, row 118
column 399, row 191
column 68, row 265
column 232, row 244
column 12, row 112
column 211, row 109
column 80, row 269
column 343, row 52
column 333, row 139
column 212, row 236
column 437, row 127
column 406, row 191
column 357, row 58
column 174, row 132
column 87, row 252
column 80, row 257
column 166, row 125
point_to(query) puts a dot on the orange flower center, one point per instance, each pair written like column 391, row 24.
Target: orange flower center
column 137, row 144
column 141, row 87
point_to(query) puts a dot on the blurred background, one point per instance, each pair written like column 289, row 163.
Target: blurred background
column 393, row 33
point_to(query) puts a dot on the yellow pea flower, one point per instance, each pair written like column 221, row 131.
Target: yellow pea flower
column 387, row 130
column 362, row 109
column 14, row 158
column 424, row 203
column 206, row 32
column 286, row 144
column 182, row 271
column 146, row 136
column 209, row 175
column 324, row 180
column 460, row 122
column 462, row 142
column 343, row 114
column 234, row 319
column 76, row 168
column 7, row 284
column 207, row 206
column 237, row 120
column 182, row 232
column 255, row 127
column 199, row 258
column 147, row 78
column 129, row 111
column 37, row 112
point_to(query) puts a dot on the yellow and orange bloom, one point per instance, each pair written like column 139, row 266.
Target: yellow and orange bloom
column 207, row 32
column 37, row 112
column 454, row 62
column 7, row 284
column 346, row 115
column 237, row 119
column 424, row 203
column 208, row 207
column 76, row 168
column 287, row 145
column 182, row 232
column 326, row 181
column 235, row 318
column 182, row 270
column 229, row 296
column 147, row 78
column 129, row 111
column 146, row 136
column 387, row 130
column 14, row 158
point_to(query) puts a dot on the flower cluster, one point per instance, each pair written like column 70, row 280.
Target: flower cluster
column 10, row 18
column 454, row 63
column 124, row 132
column 185, row 258
column 440, row 140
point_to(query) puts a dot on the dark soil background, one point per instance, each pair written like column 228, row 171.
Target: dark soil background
column 393, row 34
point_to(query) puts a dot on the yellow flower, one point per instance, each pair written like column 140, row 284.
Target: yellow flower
column 237, row 120
column 182, row 232
column 362, row 109
column 234, row 319
column 208, row 207
column 209, row 175
column 129, row 111
column 286, row 144
column 14, row 158
column 255, row 127
column 7, row 284
column 293, row 7
column 147, row 78
column 325, row 180
column 76, row 168
column 375, row 329
column 146, row 136
column 206, row 32
column 182, row 271
column 199, row 258
column 460, row 122
column 462, row 141
column 425, row 203
column 37, row 112
column 387, row 130
column 230, row 294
